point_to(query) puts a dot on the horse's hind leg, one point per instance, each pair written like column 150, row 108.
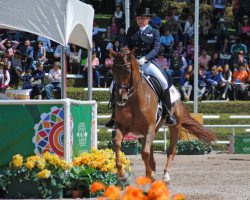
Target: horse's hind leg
column 174, row 136
column 118, row 141
column 146, row 153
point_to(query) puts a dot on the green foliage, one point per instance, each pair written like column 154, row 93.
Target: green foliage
column 192, row 147
column 79, row 178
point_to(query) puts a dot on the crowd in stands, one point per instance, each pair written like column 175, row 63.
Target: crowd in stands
column 224, row 54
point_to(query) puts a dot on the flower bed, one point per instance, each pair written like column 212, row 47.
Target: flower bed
column 35, row 177
column 145, row 189
column 47, row 176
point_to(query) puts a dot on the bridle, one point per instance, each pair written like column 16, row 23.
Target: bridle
column 129, row 88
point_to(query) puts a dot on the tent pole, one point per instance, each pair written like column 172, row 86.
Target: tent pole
column 196, row 52
column 64, row 74
column 127, row 14
column 90, row 74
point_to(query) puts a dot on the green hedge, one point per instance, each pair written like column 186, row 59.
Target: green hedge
column 232, row 107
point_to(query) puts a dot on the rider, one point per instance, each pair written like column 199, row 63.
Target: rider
column 146, row 41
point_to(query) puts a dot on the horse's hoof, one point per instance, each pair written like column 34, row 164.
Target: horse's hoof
column 153, row 176
column 124, row 178
column 166, row 179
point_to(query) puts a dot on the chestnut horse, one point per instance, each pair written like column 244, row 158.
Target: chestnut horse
column 135, row 111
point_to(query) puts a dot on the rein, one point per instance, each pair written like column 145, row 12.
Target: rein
column 129, row 88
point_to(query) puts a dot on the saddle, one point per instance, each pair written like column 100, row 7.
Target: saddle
column 156, row 87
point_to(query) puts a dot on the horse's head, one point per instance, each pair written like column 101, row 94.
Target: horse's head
column 125, row 71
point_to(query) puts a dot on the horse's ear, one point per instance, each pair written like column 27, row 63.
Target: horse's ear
column 133, row 51
column 112, row 52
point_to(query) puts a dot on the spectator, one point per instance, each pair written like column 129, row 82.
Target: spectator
column 162, row 61
column 16, row 68
column 201, row 82
column 219, row 6
column 226, row 81
column 240, row 78
column 225, row 54
column 221, row 32
column 95, row 31
column 215, row 60
column 167, row 41
column 46, row 43
column 58, row 51
column 116, row 47
column 239, row 60
column 114, row 26
column 204, row 59
column 213, row 81
column 108, row 65
column 4, row 77
column 177, row 64
column 27, row 51
column 121, row 37
column 39, row 54
column 190, row 52
column 75, row 59
column 96, row 49
column 238, row 46
column 55, row 80
column 236, row 14
column 37, row 81
column 119, row 16
column 173, row 26
column 205, row 25
column 181, row 49
column 187, row 87
column 155, row 21
column 26, row 78
column 188, row 29
column 95, row 69
column 8, row 47
column 244, row 29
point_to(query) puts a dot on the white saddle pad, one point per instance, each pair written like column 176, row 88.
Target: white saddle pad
column 174, row 94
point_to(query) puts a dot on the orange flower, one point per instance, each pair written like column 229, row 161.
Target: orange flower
column 179, row 197
column 143, row 180
column 133, row 193
column 158, row 191
column 97, row 186
column 113, row 193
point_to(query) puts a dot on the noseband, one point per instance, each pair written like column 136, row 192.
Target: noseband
column 129, row 88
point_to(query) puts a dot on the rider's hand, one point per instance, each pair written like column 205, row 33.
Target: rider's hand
column 141, row 61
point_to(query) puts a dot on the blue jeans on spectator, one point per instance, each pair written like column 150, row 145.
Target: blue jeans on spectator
column 52, row 86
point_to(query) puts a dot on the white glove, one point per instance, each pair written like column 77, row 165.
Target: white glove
column 141, row 61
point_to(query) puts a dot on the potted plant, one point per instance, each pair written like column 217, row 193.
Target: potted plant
column 79, row 179
column 35, row 176
column 130, row 147
column 192, row 147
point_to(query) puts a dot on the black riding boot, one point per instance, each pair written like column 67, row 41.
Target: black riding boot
column 111, row 122
column 166, row 101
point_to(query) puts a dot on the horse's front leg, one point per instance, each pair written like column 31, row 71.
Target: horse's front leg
column 118, row 141
column 145, row 152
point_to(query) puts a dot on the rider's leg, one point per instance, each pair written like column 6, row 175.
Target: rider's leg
column 111, row 122
column 152, row 70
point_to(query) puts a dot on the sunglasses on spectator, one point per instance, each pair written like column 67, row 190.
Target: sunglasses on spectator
column 213, row 69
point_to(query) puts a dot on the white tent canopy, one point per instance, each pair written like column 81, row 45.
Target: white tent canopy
column 62, row 21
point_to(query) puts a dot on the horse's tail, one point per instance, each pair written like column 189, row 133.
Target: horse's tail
column 196, row 128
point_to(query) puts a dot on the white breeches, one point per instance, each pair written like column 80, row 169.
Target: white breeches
column 151, row 70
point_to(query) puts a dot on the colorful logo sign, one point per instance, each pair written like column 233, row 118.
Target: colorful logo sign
column 49, row 132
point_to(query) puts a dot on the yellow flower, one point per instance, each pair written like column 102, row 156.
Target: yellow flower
column 44, row 174
column 17, row 161
column 30, row 165
column 41, row 163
